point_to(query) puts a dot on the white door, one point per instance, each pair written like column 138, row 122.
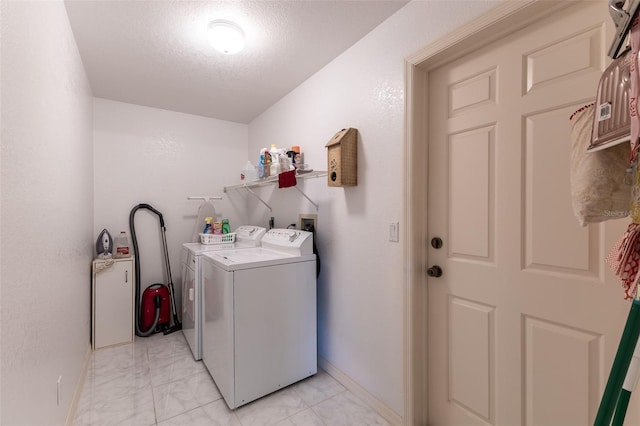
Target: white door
column 525, row 320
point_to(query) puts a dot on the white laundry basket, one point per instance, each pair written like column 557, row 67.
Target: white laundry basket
column 218, row 238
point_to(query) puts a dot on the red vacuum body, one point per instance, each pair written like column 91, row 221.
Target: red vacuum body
column 151, row 297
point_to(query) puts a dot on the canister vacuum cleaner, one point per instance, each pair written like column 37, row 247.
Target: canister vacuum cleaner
column 153, row 309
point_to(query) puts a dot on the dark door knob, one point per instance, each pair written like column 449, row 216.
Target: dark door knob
column 436, row 242
column 435, row 271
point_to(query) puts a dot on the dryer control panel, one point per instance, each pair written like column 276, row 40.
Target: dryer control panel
column 290, row 240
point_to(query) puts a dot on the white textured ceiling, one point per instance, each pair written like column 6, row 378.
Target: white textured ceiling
column 155, row 52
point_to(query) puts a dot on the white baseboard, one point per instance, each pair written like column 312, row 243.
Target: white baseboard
column 380, row 407
column 77, row 393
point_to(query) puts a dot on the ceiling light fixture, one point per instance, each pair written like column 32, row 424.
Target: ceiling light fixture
column 226, row 36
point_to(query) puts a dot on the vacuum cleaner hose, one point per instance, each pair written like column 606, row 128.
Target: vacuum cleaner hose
column 134, row 242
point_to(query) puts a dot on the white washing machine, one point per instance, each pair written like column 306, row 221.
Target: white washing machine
column 246, row 237
column 259, row 330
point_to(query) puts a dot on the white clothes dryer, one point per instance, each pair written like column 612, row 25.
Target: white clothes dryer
column 259, row 329
column 246, row 237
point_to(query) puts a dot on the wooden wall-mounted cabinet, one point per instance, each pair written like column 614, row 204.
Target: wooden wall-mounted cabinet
column 342, row 158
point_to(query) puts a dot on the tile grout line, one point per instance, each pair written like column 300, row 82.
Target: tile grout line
column 317, row 413
column 153, row 395
column 319, row 393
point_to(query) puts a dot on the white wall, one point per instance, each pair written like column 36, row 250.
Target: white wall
column 159, row 157
column 361, row 284
column 47, row 212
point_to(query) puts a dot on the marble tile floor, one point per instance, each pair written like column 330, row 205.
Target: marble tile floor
column 155, row 381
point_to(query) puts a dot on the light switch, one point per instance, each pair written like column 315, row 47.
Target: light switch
column 394, row 232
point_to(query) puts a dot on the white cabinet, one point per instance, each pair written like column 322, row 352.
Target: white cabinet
column 113, row 305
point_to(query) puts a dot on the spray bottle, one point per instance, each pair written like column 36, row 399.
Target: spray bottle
column 207, row 226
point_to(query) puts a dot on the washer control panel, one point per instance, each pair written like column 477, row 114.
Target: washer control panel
column 251, row 235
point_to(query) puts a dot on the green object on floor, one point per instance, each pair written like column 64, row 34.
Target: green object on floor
column 621, row 408
column 621, row 362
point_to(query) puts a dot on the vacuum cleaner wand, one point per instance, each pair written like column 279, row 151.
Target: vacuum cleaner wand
column 177, row 325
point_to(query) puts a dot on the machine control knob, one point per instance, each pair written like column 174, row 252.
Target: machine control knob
column 435, row 271
column 293, row 236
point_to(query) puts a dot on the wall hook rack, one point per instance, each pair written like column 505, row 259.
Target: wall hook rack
column 203, row 197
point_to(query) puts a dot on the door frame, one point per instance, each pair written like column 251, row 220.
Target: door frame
column 499, row 22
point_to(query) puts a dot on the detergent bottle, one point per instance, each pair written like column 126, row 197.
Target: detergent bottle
column 122, row 245
column 276, row 153
column 264, row 169
column 249, row 172
column 217, row 227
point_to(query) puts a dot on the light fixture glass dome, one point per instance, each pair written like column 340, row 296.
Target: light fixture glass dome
column 226, row 36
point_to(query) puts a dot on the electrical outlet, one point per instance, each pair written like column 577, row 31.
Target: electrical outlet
column 59, row 387
column 307, row 222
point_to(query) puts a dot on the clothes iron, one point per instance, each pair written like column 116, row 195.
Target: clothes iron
column 104, row 245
